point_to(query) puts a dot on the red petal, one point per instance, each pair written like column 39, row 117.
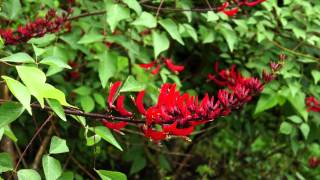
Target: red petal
column 172, row 67
column 156, row 70
column 114, row 125
column 155, row 135
column 120, row 107
column 254, row 3
column 147, row 65
column 113, row 90
column 172, row 129
column 231, row 12
column 139, row 103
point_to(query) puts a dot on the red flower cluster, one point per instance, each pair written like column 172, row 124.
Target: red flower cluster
column 157, row 65
column 177, row 114
column 313, row 162
column 51, row 23
column 312, row 104
column 238, row 3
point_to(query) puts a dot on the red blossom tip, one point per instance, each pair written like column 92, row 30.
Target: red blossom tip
column 113, row 90
column 120, row 107
column 114, row 125
column 139, row 103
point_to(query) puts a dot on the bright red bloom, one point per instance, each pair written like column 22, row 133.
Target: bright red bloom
column 231, row 12
column 156, row 70
column 312, row 104
column 253, row 3
column 147, row 65
column 38, row 28
column 173, row 130
column 113, row 90
column 114, row 125
column 120, row 107
column 139, row 103
column 154, row 135
column 313, row 162
column 172, row 67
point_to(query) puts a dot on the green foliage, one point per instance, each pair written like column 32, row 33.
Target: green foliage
column 272, row 137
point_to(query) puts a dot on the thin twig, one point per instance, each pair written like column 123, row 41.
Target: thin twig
column 74, row 160
column 32, row 139
column 158, row 10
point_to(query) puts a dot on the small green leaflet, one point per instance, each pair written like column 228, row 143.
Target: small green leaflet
column 145, row 19
column 111, row 175
column 133, row 4
column 57, row 108
column 105, row 134
column 160, row 42
column 28, row 174
column 5, row 162
column 19, row 91
column 18, row 58
column 58, row 145
column 170, row 26
column 115, row 14
column 132, row 85
column 9, row 112
column 51, row 167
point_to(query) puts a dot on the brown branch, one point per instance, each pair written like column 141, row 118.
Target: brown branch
column 42, row 149
column 176, row 9
column 74, row 160
column 87, row 14
column 159, row 8
column 32, row 139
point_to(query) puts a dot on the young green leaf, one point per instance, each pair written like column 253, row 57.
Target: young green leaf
column 286, row 128
column 107, row 67
column 305, row 129
column 18, row 58
column 133, row 4
column 57, row 108
column 170, row 26
column 27, row 174
column 5, row 162
column 20, row 92
column 115, row 14
column 160, row 43
column 105, row 134
column 9, row 112
column 145, row 19
column 111, row 175
column 87, row 103
column 55, row 61
column 132, row 85
column 51, row 167
column 58, row 145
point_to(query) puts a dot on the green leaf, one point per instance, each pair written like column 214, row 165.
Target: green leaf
column 295, row 119
column 265, row 102
column 111, row 175
column 160, row 43
column 43, row 41
column 27, row 174
column 92, row 140
column 5, row 162
column 19, row 91
column 191, row 31
column 298, row 102
column 316, row 76
column 68, row 175
column 8, row 132
column 91, row 37
column 50, row 92
column 11, row 8
column 51, row 167
column 105, row 134
column 107, row 67
column 138, row 164
column 9, row 112
column 57, row 108
column 170, row 26
column 87, row 103
column 55, row 61
column 133, row 4
column 115, row 14
column 18, row 58
column 305, row 129
column 229, row 35
column 58, row 145
column 38, row 51
column 145, row 19
column 286, row 128
column 132, row 85
column 100, row 100
column 212, row 16
column 35, row 85
column 83, row 90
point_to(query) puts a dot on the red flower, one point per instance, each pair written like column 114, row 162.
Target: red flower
column 116, row 126
column 139, row 103
column 154, row 135
column 312, row 104
column 113, row 90
column 172, row 67
column 147, row 65
column 253, row 3
column 231, row 12
column 156, row 70
column 120, row 107
column 173, row 130
column 313, row 162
